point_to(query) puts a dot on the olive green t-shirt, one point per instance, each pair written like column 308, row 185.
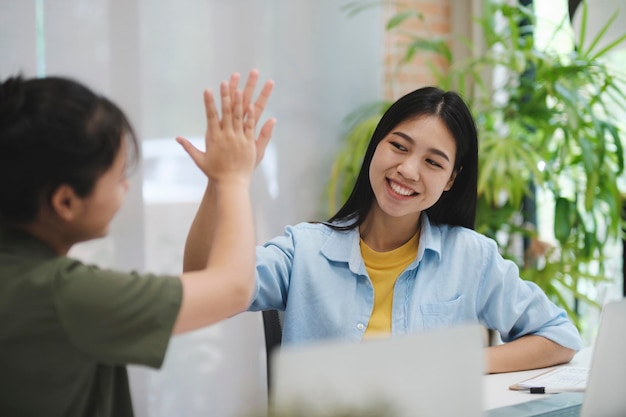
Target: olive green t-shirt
column 67, row 330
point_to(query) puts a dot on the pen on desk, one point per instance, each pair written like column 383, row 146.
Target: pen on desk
column 546, row 390
column 539, row 390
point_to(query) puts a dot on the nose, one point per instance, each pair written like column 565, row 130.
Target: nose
column 409, row 169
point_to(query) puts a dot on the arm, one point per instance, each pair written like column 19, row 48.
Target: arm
column 223, row 286
column 201, row 234
column 527, row 352
column 537, row 333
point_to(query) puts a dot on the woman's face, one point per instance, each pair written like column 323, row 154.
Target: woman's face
column 412, row 166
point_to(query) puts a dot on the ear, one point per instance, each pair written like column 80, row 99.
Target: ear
column 450, row 182
column 65, row 203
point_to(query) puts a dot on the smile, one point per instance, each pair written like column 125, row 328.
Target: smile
column 398, row 189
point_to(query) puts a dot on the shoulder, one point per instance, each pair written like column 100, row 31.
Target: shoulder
column 312, row 238
column 457, row 238
column 309, row 230
column 75, row 279
column 311, row 227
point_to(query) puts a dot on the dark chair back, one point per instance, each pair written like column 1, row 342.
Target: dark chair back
column 273, row 338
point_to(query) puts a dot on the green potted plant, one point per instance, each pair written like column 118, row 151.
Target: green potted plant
column 553, row 135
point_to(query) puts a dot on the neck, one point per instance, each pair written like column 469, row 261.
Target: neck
column 384, row 233
column 50, row 234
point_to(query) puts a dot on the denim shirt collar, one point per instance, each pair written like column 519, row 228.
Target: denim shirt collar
column 431, row 239
column 343, row 246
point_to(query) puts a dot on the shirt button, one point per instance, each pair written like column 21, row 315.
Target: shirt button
column 360, row 326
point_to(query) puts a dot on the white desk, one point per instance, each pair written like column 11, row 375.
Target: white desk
column 496, row 386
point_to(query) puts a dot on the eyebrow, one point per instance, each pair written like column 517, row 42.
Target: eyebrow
column 433, row 150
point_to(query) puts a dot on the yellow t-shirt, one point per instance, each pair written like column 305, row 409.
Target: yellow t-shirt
column 383, row 269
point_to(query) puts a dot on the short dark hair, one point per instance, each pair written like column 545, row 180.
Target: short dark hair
column 54, row 131
column 457, row 206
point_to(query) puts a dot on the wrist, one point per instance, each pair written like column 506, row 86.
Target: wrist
column 234, row 181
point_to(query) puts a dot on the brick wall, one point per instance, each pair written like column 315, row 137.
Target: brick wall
column 436, row 21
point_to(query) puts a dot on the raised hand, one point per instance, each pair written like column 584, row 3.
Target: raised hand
column 259, row 106
column 230, row 144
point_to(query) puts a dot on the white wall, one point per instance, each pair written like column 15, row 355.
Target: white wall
column 154, row 58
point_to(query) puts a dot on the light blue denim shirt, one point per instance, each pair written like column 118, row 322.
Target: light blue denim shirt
column 317, row 276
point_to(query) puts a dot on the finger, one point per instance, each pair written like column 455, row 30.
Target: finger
column 237, row 112
column 233, row 85
column 227, row 112
column 195, row 154
column 264, row 137
column 248, row 91
column 249, row 123
column 261, row 101
column 210, row 110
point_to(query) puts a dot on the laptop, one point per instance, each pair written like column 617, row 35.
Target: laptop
column 436, row 373
column 604, row 395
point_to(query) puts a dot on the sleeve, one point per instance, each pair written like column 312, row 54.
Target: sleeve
column 117, row 318
column 516, row 307
column 274, row 263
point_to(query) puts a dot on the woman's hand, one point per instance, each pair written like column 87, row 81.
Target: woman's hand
column 232, row 101
column 230, row 153
column 259, row 106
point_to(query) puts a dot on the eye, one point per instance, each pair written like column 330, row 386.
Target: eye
column 398, row 146
column 434, row 163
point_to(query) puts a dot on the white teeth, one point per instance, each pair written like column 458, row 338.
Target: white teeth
column 400, row 190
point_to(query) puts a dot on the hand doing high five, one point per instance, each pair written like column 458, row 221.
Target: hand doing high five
column 259, row 106
column 231, row 148
column 230, row 152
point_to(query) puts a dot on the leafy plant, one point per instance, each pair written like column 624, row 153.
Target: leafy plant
column 547, row 128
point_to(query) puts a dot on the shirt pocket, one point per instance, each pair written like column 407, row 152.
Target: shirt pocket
column 443, row 314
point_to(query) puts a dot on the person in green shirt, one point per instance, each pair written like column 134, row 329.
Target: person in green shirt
column 67, row 329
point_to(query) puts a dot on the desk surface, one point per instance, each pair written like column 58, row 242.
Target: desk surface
column 496, row 386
